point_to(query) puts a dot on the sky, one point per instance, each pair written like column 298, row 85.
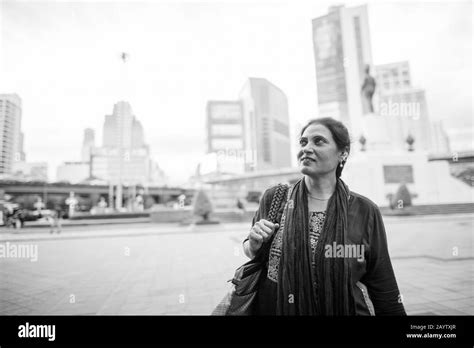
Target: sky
column 63, row 60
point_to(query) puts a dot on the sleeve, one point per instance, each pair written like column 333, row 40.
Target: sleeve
column 263, row 207
column 380, row 278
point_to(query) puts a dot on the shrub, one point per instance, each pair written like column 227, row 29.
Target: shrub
column 202, row 205
column 402, row 197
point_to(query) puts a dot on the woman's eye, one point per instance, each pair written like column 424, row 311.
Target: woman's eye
column 318, row 141
column 303, row 142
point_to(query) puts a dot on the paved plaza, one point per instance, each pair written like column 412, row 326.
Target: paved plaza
column 154, row 269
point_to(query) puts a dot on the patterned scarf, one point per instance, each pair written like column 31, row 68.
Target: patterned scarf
column 326, row 290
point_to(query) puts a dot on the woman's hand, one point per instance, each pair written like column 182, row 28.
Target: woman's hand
column 259, row 233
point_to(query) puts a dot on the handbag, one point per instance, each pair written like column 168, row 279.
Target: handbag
column 241, row 298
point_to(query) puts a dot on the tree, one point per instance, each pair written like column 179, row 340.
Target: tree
column 149, row 202
column 402, row 198
column 202, row 205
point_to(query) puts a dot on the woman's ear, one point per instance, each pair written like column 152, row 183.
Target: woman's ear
column 343, row 156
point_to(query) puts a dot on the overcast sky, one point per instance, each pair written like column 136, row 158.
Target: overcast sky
column 62, row 58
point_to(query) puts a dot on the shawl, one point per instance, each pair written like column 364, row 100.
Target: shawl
column 326, row 289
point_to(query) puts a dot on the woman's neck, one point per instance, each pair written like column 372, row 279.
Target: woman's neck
column 321, row 187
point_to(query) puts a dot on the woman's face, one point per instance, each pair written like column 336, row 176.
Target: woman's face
column 318, row 154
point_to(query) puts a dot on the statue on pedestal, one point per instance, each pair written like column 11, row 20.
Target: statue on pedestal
column 367, row 91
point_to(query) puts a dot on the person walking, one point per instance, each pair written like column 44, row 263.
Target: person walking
column 56, row 219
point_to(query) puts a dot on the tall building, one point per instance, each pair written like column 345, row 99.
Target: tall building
column 403, row 107
column 393, row 77
column 342, row 50
column 124, row 156
column 224, row 126
column 225, row 136
column 266, row 125
column 88, row 144
column 123, row 159
column 11, row 138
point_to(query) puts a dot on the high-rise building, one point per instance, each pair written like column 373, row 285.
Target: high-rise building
column 392, row 77
column 122, row 129
column 342, row 50
column 88, row 143
column 225, row 136
column 266, row 125
column 124, row 157
column 224, row 126
column 403, row 107
column 21, row 150
column 11, row 139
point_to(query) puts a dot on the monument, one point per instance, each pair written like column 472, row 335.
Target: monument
column 368, row 90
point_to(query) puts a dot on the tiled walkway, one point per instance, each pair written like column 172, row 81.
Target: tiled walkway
column 168, row 269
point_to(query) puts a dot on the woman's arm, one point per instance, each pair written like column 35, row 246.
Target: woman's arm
column 247, row 250
column 380, row 278
column 260, row 214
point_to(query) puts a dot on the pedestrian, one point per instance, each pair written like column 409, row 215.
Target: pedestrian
column 240, row 206
column 55, row 219
column 303, row 274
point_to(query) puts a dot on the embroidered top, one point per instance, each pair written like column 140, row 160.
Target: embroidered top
column 316, row 223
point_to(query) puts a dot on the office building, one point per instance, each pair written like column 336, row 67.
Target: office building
column 266, row 125
column 342, row 50
column 11, row 138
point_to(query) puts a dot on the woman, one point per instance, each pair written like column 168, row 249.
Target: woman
column 329, row 254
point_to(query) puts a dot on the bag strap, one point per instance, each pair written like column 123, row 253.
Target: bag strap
column 278, row 198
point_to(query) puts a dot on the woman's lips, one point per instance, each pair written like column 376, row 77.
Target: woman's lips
column 306, row 161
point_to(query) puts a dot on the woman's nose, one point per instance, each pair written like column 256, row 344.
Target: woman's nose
column 307, row 149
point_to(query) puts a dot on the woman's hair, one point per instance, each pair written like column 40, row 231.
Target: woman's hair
column 339, row 133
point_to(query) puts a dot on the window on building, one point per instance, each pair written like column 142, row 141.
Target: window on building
column 226, row 129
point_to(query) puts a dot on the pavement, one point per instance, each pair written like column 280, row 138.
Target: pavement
column 167, row 269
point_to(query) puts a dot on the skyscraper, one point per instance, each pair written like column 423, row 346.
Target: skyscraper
column 342, row 50
column 225, row 135
column 266, row 125
column 224, row 126
column 403, row 107
column 88, row 143
column 124, row 156
column 11, row 138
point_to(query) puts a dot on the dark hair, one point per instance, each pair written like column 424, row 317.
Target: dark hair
column 339, row 133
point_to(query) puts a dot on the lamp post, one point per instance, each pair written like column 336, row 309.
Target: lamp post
column 119, row 193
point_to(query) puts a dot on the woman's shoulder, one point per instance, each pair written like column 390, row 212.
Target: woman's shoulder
column 270, row 191
column 362, row 202
column 268, row 194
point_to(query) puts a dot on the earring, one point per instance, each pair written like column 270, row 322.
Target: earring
column 341, row 165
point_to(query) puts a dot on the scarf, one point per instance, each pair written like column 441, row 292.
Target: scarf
column 327, row 290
